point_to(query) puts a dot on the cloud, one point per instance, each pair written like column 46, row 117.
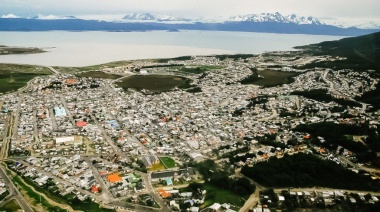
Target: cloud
column 52, row 17
column 10, row 16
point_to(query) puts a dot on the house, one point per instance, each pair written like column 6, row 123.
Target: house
column 81, row 123
column 114, row 178
column 194, row 209
column 147, row 162
column 94, row 189
column 156, row 176
column 59, row 111
column 163, row 193
column 215, row 207
column 185, row 173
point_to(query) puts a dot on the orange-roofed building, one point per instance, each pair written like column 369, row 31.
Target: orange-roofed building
column 81, row 123
column 307, row 136
column 71, row 81
column 322, row 150
column 94, row 189
column 114, row 178
column 163, row 193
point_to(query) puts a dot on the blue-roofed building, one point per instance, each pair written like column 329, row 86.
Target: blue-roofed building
column 113, row 123
column 169, row 181
column 59, row 111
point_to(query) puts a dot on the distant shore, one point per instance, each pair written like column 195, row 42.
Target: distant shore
column 7, row 50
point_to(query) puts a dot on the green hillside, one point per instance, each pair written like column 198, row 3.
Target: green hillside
column 362, row 52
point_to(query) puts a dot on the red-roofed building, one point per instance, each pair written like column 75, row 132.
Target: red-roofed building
column 94, row 189
column 81, row 123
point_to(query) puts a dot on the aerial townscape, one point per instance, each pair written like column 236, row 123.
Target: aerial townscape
column 277, row 131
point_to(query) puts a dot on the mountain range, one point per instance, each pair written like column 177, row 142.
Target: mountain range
column 264, row 22
column 133, row 17
column 277, row 18
column 262, row 17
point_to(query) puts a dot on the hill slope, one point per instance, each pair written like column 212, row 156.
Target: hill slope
column 362, row 52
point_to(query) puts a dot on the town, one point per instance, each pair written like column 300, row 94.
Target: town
column 91, row 140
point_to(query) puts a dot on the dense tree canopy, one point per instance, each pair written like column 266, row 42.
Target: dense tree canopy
column 303, row 170
column 221, row 179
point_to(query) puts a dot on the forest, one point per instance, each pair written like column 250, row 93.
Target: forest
column 305, row 170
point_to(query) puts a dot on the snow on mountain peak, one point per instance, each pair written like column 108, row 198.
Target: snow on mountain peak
column 276, row 18
column 11, row 15
column 52, row 17
column 151, row 17
column 261, row 17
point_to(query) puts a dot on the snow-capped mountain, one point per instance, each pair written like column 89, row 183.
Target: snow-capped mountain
column 52, row 17
column 369, row 25
column 275, row 18
column 137, row 17
column 255, row 18
column 304, row 20
column 263, row 17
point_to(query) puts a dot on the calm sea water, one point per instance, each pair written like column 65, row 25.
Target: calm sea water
column 90, row 48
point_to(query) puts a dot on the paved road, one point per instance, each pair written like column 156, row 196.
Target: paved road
column 16, row 115
column 121, row 78
column 5, row 143
column 356, row 166
column 254, row 199
column 68, row 112
column 52, row 70
column 106, row 194
column 13, row 191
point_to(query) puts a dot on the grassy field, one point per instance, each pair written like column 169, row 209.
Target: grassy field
column 84, row 206
column 13, row 77
column 198, row 69
column 273, row 78
column 153, row 82
column 221, row 196
column 157, row 167
column 168, row 162
column 362, row 53
column 37, row 199
column 11, row 206
column 93, row 67
column 165, row 60
column 98, row 74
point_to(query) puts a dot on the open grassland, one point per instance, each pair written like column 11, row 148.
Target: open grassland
column 198, row 69
column 273, row 78
column 11, row 206
column 168, row 162
column 361, row 53
column 93, row 67
column 269, row 78
column 37, row 199
column 157, row 167
column 215, row 194
column 153, row 82
column 13, row 77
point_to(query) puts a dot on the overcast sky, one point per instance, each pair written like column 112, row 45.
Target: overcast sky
column 350, row 10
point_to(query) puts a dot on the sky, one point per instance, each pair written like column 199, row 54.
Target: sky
column 352, row 11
